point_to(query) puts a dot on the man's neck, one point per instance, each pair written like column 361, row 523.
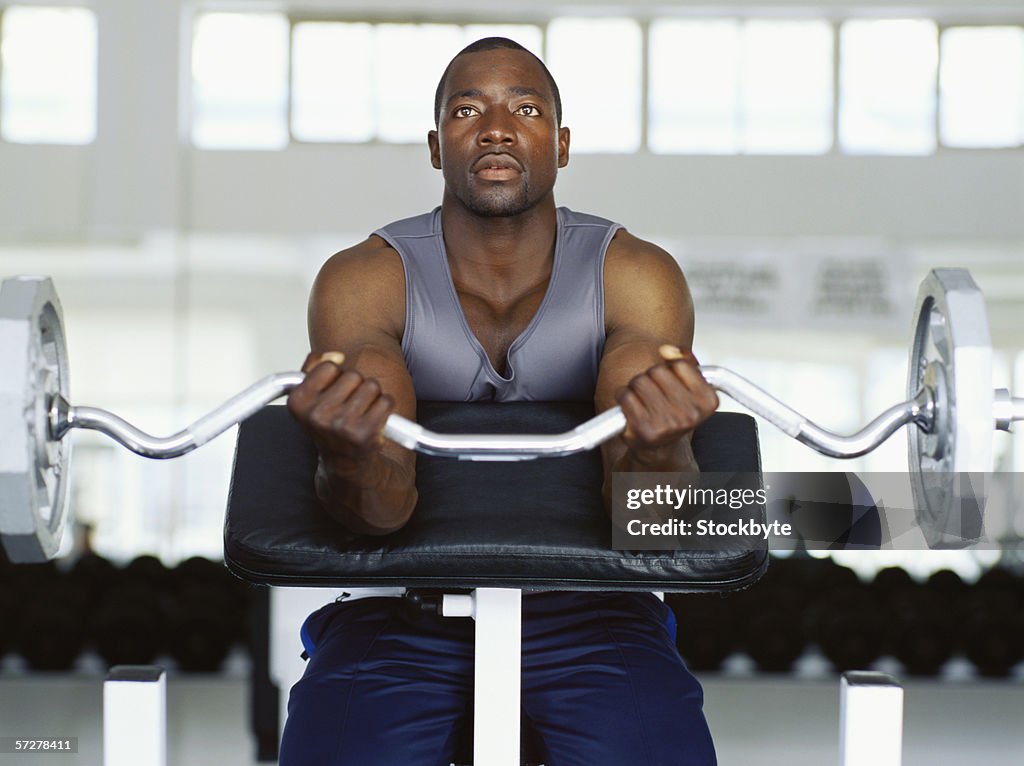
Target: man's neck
column 499, row 257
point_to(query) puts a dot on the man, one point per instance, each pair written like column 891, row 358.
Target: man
column 496, row 295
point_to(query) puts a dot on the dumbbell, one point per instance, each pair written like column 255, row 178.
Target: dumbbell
column 920, row 630
column 993, row 623
column 207, row 617
column 130, row 619
column 52, row 629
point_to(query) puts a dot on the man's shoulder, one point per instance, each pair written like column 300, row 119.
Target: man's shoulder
column 373, row 258
column 364, row 284
column 643, row 284
column 629, row 253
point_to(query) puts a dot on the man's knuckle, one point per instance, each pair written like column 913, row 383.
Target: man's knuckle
column 320, row 419
column 658, row 372
column 296, row 403
column 647, row 431
column 350, row 378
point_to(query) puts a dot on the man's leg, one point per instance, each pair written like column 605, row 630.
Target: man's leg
column 605, row 686
column 384, row 686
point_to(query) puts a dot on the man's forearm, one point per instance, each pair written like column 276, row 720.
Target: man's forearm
column 372, row 497
column 677, row 458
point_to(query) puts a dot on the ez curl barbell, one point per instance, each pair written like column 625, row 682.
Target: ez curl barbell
column 951, row 404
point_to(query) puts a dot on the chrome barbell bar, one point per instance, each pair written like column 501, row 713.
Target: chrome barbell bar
column 919, row 410
column 951, row 402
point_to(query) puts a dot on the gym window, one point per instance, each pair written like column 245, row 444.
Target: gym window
column 332, row 88
column 321, row 81
column 240, row 81
column 887, row 84
column 981, row 87
column 677, row 86
column 348, row 86
column 728, row 86
column 47, row 75
column 598, row 65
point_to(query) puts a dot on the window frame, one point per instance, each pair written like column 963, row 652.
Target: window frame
column 460, row 21
column 542, row 22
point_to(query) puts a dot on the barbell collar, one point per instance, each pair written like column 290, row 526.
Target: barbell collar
column 1007, row 409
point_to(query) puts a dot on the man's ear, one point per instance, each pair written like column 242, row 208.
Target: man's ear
column 563, row 147
column 435, row 149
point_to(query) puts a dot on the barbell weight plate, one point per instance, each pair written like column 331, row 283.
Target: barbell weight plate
column 33, row 467
column 952, row 353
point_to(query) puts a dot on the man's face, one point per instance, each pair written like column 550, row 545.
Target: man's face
column 498, row 143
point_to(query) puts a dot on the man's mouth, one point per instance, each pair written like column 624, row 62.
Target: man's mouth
column 497, row 167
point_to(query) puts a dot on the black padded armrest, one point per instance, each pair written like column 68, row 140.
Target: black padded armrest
column 531, row 524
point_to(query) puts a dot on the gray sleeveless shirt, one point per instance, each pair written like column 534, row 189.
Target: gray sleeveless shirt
column 554, row 359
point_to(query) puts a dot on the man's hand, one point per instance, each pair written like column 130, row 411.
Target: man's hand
column 343, row 412
column 364, row 482
column 663, row 405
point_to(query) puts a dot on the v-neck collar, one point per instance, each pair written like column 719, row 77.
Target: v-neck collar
column 534, row 320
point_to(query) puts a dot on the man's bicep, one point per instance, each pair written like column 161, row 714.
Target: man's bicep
column 353, row 309
column 647, row 305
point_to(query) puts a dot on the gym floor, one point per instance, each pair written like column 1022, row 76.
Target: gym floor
column 788, row 720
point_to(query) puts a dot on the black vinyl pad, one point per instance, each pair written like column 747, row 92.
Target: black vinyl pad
column 530, row 524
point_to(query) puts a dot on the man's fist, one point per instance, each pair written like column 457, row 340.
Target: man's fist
column 666, row 402
column 343, row 412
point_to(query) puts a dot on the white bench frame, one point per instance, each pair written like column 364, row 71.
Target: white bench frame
column 135, row 706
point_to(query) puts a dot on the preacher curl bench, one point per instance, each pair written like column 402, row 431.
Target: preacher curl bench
column 494, row 529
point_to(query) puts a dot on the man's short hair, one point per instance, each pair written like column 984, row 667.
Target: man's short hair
column 490, row 44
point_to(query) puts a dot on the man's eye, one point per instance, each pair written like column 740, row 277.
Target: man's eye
column 464, row 111
column 529, row 110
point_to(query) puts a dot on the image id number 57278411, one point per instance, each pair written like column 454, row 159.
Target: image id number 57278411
column 49, row 745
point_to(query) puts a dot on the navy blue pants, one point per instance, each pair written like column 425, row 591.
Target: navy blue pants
column 603, row 684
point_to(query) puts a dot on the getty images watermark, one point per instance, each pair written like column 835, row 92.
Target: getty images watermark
column 823, row 511
column 654, row 502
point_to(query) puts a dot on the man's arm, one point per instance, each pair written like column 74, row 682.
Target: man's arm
column 357, row 307
column 648, row 306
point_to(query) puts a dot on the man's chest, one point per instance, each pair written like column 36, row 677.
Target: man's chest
column 496, row 325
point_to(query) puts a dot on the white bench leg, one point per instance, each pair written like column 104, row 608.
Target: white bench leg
column 870, row 720
column 135, row 716
column 498, row 671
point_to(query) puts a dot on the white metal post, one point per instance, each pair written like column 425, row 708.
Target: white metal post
column 498, row 676
column 870, row 720
column 135, row 716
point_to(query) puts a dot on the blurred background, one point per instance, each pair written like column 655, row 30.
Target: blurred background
column 182, row 169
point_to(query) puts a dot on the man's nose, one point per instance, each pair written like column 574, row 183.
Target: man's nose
column 497, row 127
